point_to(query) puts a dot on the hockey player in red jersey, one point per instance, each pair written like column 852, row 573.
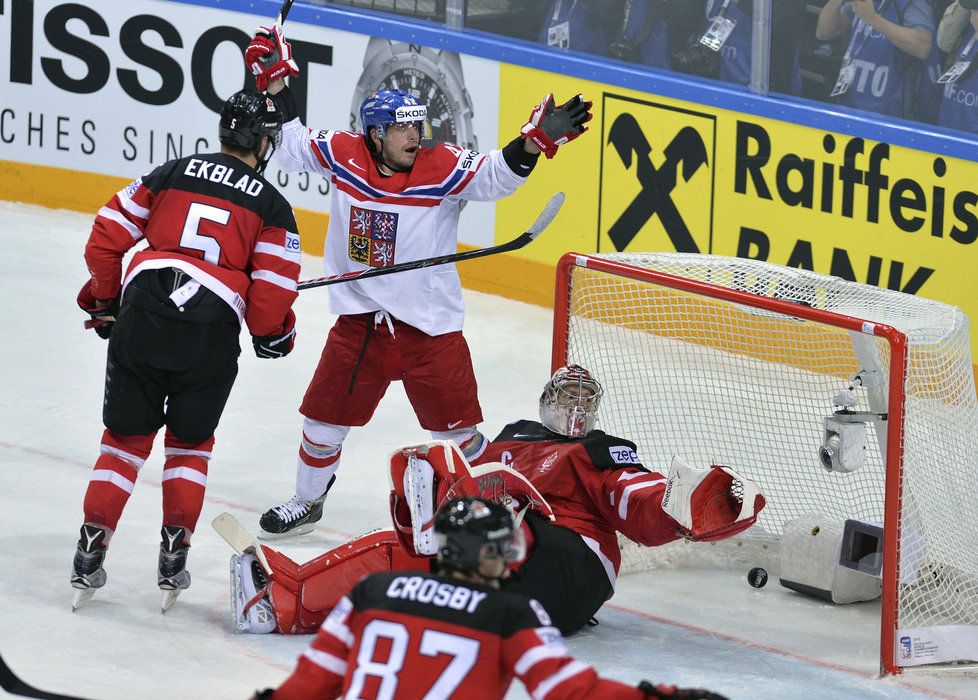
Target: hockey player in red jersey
column 454, row 633
column 597, row 487
column 222, row 248
column 393, row 200
column 576, row 487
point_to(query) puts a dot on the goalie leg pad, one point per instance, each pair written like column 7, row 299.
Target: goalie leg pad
column 421, row 476
column 301, row 596
column 501, row 484
column 710, row 504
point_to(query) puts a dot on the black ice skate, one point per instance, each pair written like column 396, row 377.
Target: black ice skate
column 294, row 517
column 172, row 575
column 87, row 574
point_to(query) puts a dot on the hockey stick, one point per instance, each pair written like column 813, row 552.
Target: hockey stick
column 546, row 216
column 241, row 541
column 283, row 13
column 14, row 685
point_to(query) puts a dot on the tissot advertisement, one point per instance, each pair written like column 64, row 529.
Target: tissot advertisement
column 118, row 88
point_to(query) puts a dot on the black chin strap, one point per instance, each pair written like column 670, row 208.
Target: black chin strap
column 260, row 166
column 381, row 161
column 379, row 158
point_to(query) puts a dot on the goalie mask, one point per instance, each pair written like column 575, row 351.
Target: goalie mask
column 465, row 527
column 569, row 402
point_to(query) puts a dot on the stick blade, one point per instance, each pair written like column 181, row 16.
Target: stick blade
column 546, row 216
column 239, row 537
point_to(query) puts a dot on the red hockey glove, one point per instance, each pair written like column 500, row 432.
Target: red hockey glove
column 269, row 56
column 272, row 347
column 710, row 504
column 102, row 311
column 671, row 692
column 550, row 127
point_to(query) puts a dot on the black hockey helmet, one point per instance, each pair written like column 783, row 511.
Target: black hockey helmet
column 246, row 117
column 463, row 526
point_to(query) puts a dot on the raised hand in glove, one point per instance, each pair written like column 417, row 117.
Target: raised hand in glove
column 550, row 126
column 102, row 311
column 671, row 692
column 272, row 347
column 269, row 56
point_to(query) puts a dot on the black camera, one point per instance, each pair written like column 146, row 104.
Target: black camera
column 697, row 60
column 626, row 51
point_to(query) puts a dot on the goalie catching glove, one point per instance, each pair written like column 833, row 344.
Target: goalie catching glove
column 550, row 126
column 710, row 504
column 269, row 56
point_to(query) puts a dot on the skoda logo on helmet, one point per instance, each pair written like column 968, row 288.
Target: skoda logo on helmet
column 411, row 114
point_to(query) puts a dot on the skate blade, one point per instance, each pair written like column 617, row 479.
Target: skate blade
column 169, row 598
column 237, row 596
column 82, row 596
column 301, row 530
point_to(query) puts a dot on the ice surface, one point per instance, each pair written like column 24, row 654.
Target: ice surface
column 696, row 627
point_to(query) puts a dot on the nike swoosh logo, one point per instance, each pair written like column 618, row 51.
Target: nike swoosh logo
column 452, row 425
column 350, row 161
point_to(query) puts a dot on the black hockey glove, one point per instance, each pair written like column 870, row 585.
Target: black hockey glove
column 671, row 692
column 272, row 347
column 550, row 126
column 102, row 311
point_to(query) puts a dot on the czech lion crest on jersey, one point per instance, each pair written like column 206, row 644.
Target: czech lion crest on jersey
column 373, row 237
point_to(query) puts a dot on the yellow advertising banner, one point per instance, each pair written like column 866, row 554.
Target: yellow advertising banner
column 656, row 174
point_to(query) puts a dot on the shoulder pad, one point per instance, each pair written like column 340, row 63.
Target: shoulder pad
column 608, row 452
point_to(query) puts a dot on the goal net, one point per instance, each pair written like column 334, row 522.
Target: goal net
column 739, row 362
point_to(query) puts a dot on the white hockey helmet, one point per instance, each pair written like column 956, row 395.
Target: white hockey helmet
column 569, row 402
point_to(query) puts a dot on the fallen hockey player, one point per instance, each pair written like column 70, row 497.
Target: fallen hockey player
column 571, row 486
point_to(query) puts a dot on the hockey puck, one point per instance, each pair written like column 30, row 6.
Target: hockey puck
column 757, row 577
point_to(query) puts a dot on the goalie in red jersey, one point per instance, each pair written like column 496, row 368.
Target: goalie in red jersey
column 392, row 635
column 574, row 488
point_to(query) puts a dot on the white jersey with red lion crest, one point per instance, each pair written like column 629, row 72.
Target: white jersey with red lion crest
column 377, row 221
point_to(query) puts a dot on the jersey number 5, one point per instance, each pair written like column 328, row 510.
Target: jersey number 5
column 464, row 652
column 193, row 239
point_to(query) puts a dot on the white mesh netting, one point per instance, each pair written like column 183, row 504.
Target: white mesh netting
column 723, row 383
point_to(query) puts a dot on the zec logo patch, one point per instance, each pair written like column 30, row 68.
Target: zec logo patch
column 656, row 177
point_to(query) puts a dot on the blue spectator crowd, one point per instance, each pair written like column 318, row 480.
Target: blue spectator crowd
column 911, row 59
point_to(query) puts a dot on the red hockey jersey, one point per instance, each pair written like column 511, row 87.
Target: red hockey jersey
column 414, row 635
column 213, row 217
column 596, row 486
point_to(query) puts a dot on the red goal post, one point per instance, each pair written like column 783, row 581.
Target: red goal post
column 734, row 361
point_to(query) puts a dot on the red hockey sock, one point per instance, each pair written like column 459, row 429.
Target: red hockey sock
column 114, row 477
column 184, row 481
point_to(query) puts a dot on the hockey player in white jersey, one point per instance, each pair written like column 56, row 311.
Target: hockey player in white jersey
column 394, row 200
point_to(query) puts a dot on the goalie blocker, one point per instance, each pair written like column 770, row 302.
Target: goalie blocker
column 707, row 504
